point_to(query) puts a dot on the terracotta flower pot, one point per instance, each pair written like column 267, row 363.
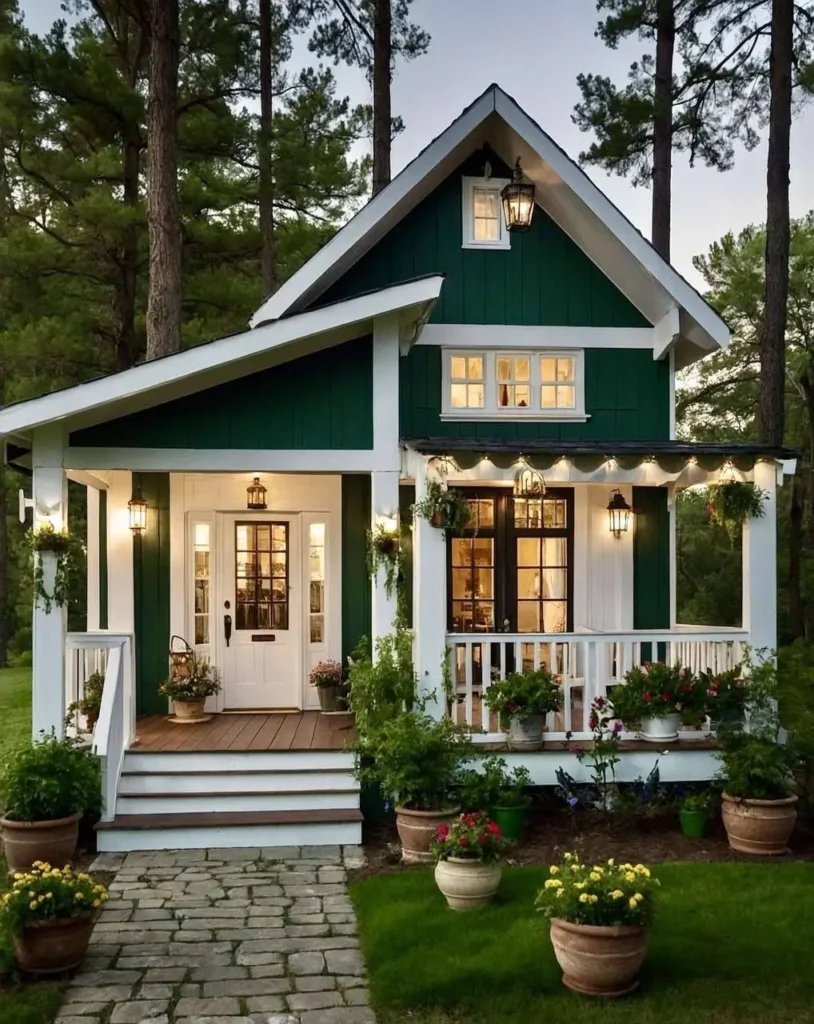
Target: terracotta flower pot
column 51, row 841
column 760, row 827
column 54, row 946
column 526, row 732
column 189, row 709
column 467, row 884
column 660, row 730
column 599, row 960
column 417, row 831
column 437, row 520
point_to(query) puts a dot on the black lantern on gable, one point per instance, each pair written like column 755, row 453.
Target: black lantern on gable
column 256, row 495
column 518, row 201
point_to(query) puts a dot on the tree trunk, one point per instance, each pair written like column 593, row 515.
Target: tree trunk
column 772, row 352
column 382, row 125
column 663, row 127
column 163, row 220
column 126, row 348
column 268, row 243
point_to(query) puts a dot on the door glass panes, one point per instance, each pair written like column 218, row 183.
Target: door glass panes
column 466, row 382
column 201, row 581
column 316, row 585
column 261, row 576
column 542, row 584
column 534, row 513
column 473, row 584
column 486, row 211
column 513, row 382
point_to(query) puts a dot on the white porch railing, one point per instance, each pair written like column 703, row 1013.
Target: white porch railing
column 112, row 654
column 586, row 663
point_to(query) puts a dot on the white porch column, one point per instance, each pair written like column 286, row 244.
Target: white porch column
column 94, row 558
column 121, row 616
column 50, row 492
column 429, row 600
column 384, row 504
column 760, row 564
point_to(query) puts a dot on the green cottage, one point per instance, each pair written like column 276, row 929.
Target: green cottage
column 486, row 323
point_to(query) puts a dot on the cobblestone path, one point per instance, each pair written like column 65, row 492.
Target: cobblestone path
column 224, row 937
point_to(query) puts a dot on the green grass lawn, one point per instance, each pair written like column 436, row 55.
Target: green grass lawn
column 732, row 944
column 15, row 709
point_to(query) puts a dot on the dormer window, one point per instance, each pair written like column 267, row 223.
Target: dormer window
column 483, row 226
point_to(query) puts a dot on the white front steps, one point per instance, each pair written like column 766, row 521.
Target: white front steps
column 194, row 800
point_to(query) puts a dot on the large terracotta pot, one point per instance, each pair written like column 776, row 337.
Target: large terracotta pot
column 417, row 831
column 51, row 841
column 54, row 946
column 526, row 733
column 467, row 884
column 599, row 960
column 760, row 827
column 660, row 730
column 189, row 709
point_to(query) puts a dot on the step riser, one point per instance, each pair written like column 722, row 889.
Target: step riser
column 234, row 837
column 228, row 802
column 235, row 782
column 237, row 761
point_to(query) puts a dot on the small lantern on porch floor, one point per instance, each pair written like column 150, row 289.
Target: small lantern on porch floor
column 528, row 481
column 618, row 514
column 518, row 201
column 182, row 658
column 256, row 495
column 137, row 507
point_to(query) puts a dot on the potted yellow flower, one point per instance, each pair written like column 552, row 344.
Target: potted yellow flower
column 599, row 916
column 51, row 912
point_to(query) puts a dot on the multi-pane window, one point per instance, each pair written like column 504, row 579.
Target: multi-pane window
column 483, row 226
column 472, row 571
column 316, row 586
column 486, row 214
column 261, row 575
column 201, row 580
column 466, row 382
column 482, row 384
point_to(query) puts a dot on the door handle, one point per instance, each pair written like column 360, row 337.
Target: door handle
column 227, row 628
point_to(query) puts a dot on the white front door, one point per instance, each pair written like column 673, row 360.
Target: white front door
column 259, row 618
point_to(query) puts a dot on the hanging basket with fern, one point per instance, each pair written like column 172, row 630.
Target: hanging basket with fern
column 730, row 504
column 384, row 552
column 70, row 554
column 445, row 509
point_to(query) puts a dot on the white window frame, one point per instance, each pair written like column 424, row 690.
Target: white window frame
column 504, row 239
column 491, row 410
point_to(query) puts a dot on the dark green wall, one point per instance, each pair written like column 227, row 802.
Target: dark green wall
column 406, row 502
column 627, row 394
column 544, row 279
column 356, row 591
column 151, row 580
column 323, row 400
column 103, row 614
column 651, row 562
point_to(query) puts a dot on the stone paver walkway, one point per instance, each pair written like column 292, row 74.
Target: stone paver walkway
column 224, row 937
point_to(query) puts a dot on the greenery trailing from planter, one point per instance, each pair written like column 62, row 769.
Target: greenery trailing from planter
column 382, row 689
column 444, row 508
column 69, row 552
column 730, row 504
column 384, row 552
column 90, row 703
column 51, row 779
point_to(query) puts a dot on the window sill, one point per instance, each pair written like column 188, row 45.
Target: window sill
column 499, row 416
column 501, row 246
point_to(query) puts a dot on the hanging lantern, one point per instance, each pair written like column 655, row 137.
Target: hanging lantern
column 518, row 201
column 256, row 495
column 618, row 514
column 137, row 508
column 528, row 482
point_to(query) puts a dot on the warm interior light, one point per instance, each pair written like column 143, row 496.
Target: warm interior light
column 528, row 481
column 518, row 201
column 137, row 508
column 618, row 514
column 389, row 524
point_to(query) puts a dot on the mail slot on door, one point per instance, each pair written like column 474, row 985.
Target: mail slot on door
column 263, row 638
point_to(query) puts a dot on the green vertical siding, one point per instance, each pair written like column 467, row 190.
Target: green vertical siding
column 322, row 401
column 356, row 591
column 651, row 562
column 151, row 579
column 544, row 279
column 103, row 619
column 627, row 397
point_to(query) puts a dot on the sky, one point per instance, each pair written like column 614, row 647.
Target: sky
column 534, row 49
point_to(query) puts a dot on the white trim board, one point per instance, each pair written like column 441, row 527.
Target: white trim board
column 149, row 384
column 234, row 460
column 511, row 337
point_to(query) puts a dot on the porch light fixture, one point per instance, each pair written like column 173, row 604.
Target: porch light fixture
column 389, row 524
column 137, row 508
column 528, row 481
column 518, row 201
column 618, row 514
column 256, row 495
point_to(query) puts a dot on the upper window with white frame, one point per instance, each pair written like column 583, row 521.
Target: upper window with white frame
column 530, row 385
column 483, row 226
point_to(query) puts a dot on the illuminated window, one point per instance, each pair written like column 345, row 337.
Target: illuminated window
column 316, row 586
column 558, row 382
column 261, row 575
column 201, row 581
column 466, row 390
column 483, row 226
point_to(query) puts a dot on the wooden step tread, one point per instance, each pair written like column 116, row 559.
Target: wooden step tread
column 178, row 793
column 225, row 819
column 239, row 771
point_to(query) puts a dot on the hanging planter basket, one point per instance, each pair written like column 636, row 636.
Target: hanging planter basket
column 730, row 504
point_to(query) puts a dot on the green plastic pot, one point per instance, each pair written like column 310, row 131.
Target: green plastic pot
column 693, row 823
column 512, row 821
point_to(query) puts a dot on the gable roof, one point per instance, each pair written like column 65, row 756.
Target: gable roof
column 195, row 369
column 680, row 314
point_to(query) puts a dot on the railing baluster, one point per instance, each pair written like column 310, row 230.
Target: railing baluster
column 468, row 674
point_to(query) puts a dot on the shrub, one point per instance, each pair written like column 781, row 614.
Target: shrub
column 51, row 779
column 608, row 894
column 90, row 702
column 201, row 682
column 49, row 894
column 470, row 837
column 381, row 689
column 495, row 786
column 523, row 694
column 755, row 766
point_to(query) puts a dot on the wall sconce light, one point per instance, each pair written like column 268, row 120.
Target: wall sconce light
column 256, row 495
column 137, row 509
column 618, row 514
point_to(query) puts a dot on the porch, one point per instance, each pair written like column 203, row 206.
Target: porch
column 233, row 731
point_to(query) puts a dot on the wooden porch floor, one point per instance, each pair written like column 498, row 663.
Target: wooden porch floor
column 302, row 730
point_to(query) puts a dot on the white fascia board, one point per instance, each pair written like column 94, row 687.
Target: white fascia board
column 615, row 221
column 508, row 337
column 153, row 376
column 666, row 332
column 232, row 460
column 377, row 210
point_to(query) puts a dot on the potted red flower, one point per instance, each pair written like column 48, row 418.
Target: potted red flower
column 467, row 853
column 655, row 698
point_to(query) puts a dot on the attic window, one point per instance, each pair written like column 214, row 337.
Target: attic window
column 483, row 226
